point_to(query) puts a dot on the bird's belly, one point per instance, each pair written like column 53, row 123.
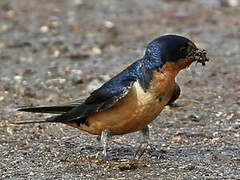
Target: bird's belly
column 144, row 113
column 131, row 113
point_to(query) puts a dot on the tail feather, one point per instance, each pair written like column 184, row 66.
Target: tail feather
column 51, row 119
column 47, row 109
column 44, row 109
column 48, row 120
column 54, row 119
column 56, row 109
column 30, row 122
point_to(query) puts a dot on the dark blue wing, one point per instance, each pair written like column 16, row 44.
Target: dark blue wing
column 104, row 97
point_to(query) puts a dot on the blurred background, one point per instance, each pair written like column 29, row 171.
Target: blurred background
column 54, row 51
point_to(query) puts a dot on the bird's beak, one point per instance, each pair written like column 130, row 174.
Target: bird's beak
column 199, row 55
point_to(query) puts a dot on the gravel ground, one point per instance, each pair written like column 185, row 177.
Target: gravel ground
column 55, row 51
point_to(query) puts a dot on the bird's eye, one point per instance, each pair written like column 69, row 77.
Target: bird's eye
column 183, row 49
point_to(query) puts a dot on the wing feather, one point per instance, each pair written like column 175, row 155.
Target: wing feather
column 100, row 99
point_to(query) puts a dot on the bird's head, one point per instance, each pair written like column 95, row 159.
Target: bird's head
column 175, row 50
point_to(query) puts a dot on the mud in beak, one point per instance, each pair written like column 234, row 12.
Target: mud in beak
column 199, row 55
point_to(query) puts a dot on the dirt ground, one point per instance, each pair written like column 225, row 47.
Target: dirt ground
column 55, row 51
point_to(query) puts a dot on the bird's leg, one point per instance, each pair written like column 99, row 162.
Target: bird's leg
column 143, row 145
column 145, row 134
column 104, row 140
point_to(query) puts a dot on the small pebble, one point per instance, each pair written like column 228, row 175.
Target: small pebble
column 220, row 156
column 108, row 24
column 177, row 139
column 1, row 98
column 44, row 29
column 96, row 51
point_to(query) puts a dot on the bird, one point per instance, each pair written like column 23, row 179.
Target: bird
column 132, row 99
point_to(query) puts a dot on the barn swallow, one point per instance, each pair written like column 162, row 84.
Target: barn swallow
column 133, row 98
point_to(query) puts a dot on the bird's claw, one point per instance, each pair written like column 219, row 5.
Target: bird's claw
column 139, row 152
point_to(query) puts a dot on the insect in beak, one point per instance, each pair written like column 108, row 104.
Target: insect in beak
column 199, row 55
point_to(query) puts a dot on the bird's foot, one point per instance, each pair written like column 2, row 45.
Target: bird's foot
column 143, row 145
column 139, row 152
